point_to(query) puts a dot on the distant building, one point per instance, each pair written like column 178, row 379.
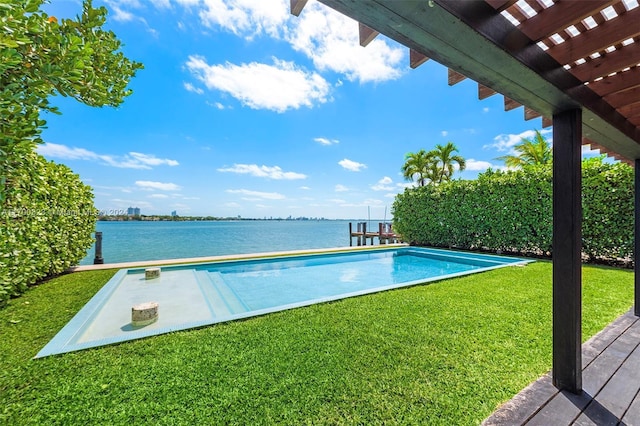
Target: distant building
column 174, row 213
column 133, row 211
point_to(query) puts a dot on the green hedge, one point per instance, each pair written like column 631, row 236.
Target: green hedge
column 512, row 212
column 46, row 221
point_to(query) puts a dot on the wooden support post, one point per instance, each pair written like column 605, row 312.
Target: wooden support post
column 567, row 261
column 350, row 235
column 636, row 264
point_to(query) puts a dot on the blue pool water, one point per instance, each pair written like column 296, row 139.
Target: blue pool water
column 261, row 285
column 202, row 294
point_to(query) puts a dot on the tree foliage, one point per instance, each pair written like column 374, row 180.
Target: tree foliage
column 46, row 212
column 512, row 211
column 41, row 56
column 435, row 166
column 529, row 152
column 445, row 160
column 416, row 166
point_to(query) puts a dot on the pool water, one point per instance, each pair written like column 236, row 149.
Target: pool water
column 264, row 285
column 202, row 294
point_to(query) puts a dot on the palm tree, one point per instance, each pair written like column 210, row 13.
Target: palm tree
column 416, row 166
column 445, row 159
column 534, row 151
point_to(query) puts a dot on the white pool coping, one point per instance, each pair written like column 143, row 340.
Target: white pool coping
column 186, row 302
column 247, row 256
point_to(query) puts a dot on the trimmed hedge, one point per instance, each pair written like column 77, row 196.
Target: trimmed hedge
column 46, row 221
column 512, row 212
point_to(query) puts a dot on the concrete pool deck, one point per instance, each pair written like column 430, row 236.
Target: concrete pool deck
column 192, row 293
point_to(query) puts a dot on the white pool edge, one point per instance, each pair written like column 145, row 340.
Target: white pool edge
column 61, row 342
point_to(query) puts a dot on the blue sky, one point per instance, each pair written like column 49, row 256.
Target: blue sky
column 243, row 109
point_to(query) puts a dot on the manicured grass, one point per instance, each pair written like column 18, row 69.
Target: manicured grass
column 445, row 353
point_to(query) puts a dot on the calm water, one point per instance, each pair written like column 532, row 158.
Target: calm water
column 133, row 241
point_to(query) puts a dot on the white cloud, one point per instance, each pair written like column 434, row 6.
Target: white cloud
column 191, row 88
column 132, row 160
column 325, row 141
column 118, row 13
column 485, row 109
column 331, row 41
column 327, row 37
column 274, row 172
column 444, row 133
column 162, row 186
column 122, row 203
column 341, row 188
column 403, row 185
column 188, row 3
column 158, row 196
column 479, row 165
column 353, row 166
column 366, row 203
column 383, row 184
column 305, row 188
column 152, row 160
column 246, row 17
column 162, row 4
column 276, row 87
column 257, row 194
column 504, row 142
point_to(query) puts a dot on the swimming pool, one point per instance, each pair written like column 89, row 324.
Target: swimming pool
column 196, row 295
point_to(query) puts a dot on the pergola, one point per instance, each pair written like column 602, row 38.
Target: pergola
column 575, row 63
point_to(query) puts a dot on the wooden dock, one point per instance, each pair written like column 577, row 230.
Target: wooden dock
column 385, row 234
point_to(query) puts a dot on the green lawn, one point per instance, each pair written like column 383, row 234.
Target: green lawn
column 445, row 353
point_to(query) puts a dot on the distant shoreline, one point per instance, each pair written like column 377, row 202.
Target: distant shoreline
column 163, row 218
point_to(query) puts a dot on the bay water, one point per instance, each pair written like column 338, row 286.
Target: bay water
column 141, row 240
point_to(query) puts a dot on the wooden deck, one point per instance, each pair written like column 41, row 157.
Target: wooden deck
column 610, row 382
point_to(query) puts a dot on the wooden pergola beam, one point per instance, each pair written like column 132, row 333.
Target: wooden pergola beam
column 366, row 34
column 296, row 6
column 454, row 77
column 484, row 92
column 608, row 34
column 623, row 98
column 560, row 16
column 618, row 60
column 501, row 5
column 416, row 59
column 631, row 110
column 616, row 83
column 547, row 122
column 510, row 104
column 530, row 114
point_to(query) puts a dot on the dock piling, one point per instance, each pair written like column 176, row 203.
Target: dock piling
column 98, row 260
column 385, row 234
